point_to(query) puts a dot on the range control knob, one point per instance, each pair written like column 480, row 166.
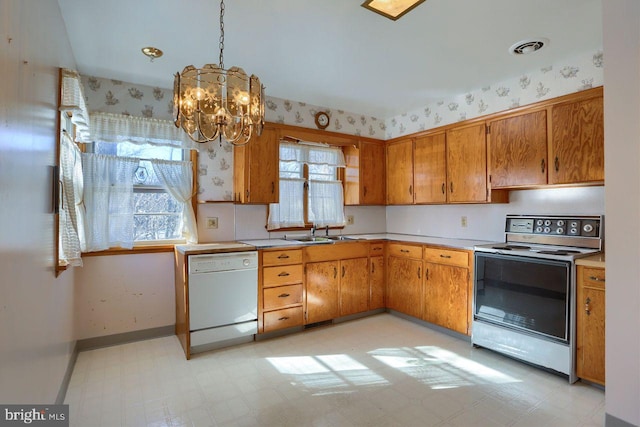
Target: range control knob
column 573, row 224
column 547, row 222
column 559, row 230
column 539, row 222
column 560, row 223
column 573, row 230
column 538, row 229
column 547, row 229
column 588, row 228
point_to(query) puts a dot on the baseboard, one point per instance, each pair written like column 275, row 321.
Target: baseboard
column 611, row 421
column 431, row 326
column 64, row 386
column 126, row 337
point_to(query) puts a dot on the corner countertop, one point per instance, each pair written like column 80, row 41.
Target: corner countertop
column 408, row 238
column 596, row 260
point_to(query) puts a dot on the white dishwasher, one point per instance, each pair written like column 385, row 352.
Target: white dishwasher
column 223, row 299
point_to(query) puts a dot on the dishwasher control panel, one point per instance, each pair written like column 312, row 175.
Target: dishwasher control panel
column 208, row 263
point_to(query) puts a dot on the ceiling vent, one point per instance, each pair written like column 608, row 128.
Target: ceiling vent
column 528, row 46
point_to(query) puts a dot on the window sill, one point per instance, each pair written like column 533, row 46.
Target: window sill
column 136, row 250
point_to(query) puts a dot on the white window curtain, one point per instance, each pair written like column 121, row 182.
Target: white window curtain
column 107, row 127
column 72, row 100
column 326, row 199
column 108, row 200
column 177, row 178
column 71, row 216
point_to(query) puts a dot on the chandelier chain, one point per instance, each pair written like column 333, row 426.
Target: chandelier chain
column 221, row 33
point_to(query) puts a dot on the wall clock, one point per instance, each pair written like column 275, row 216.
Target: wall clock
column 322, row 120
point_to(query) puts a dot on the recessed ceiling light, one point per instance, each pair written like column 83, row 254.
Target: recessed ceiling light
column 392, row 9
column 152, row 52
column 525, row 47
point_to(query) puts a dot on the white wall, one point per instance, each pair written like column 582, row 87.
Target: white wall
column 36, row 309
column 486, row 222
column 621, row 21
column 124, row 293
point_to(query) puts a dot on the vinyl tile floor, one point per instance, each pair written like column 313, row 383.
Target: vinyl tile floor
column 380, row 370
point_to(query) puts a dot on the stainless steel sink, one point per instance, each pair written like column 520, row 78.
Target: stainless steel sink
column 311, row 239
column 340, row 238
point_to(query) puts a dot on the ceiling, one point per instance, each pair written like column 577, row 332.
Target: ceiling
column 332, row 53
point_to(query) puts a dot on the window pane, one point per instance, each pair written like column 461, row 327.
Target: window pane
column 157, row 216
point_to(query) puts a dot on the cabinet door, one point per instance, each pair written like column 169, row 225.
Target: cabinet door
column 322, row 291
column 404, row 286
column 354, row 286
column 518, row 150
column 372, row 174
column 577, row 149
column 467, row 164
column 376, row 282
column 400, row 173
column 446, row 296
column 430, row 169
column 590, row 322
column 256, row 169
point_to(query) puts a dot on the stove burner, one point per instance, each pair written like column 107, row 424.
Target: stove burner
column 559, row 252
column 510, row 247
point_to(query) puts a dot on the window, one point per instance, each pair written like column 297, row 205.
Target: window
column 310, row 191
column 156, row 214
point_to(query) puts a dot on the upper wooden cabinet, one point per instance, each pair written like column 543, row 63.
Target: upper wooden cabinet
column 467, row 164
column 560, row 141
column 400, row 172
column 364, row 182
column 577, row 144
column 518, row 150
column 430, row 169
column 256, row 169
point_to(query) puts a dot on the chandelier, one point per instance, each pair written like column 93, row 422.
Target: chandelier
column 213, row 103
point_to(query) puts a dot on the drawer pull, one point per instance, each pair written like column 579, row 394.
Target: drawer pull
column 284, row 295
column 405, row 251
column 542, row 166
column 596, row 279
column 445, row 256
column 378, row 248
column 419, row 275
column 443, row 187
column 587, row 308
column 283, row 274
column 283, row 256
column 284, row 318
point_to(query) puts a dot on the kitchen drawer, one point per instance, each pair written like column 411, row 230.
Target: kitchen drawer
column 407, row 251
column 281, row 275
column 284, row 257
column 376, row 249
column 336, row 251
column 285, row 318
column 282, row 296
column 446, row 256
column 593, row 277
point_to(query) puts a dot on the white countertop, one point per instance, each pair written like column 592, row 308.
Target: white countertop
column 426, row 240
column 211, row 248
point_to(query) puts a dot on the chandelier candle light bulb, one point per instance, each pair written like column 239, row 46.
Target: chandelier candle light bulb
column 213, row 103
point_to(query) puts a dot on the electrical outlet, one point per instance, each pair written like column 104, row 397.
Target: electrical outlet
column 350, row 220
column 212, row 222
column 463, row 221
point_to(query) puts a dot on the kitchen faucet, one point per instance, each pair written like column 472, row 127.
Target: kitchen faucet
column 327, row 231
column 313, row 230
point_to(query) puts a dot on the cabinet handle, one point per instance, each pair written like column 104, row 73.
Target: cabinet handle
column 587, row 308
column 377, row 248
column 411, row 189
column 247, row 195
column 364, row 192
column 373, row 268
column 596, row 279
column 283, row 256
column 542, row 166
column 444, row 187
column 445, row 256
column 273, row 187
column 451, row 186
column 335, row 272
column 426, row 274
column 283, row 274
column 283, row 295
column 557, row 164
column 284, row 318
column 404, row 251
column 343, row 271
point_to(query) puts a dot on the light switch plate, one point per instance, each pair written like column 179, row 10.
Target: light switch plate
column 212, row 222
column 350, row 219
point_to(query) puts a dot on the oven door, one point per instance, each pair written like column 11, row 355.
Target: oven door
column 531, row 295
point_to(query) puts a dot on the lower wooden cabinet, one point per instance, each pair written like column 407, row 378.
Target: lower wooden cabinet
column 322, row 283
column 376, row 282
column 280, row 290
column 354, row 286
column 404, row 280
column 445, row 296
column 590, row 324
